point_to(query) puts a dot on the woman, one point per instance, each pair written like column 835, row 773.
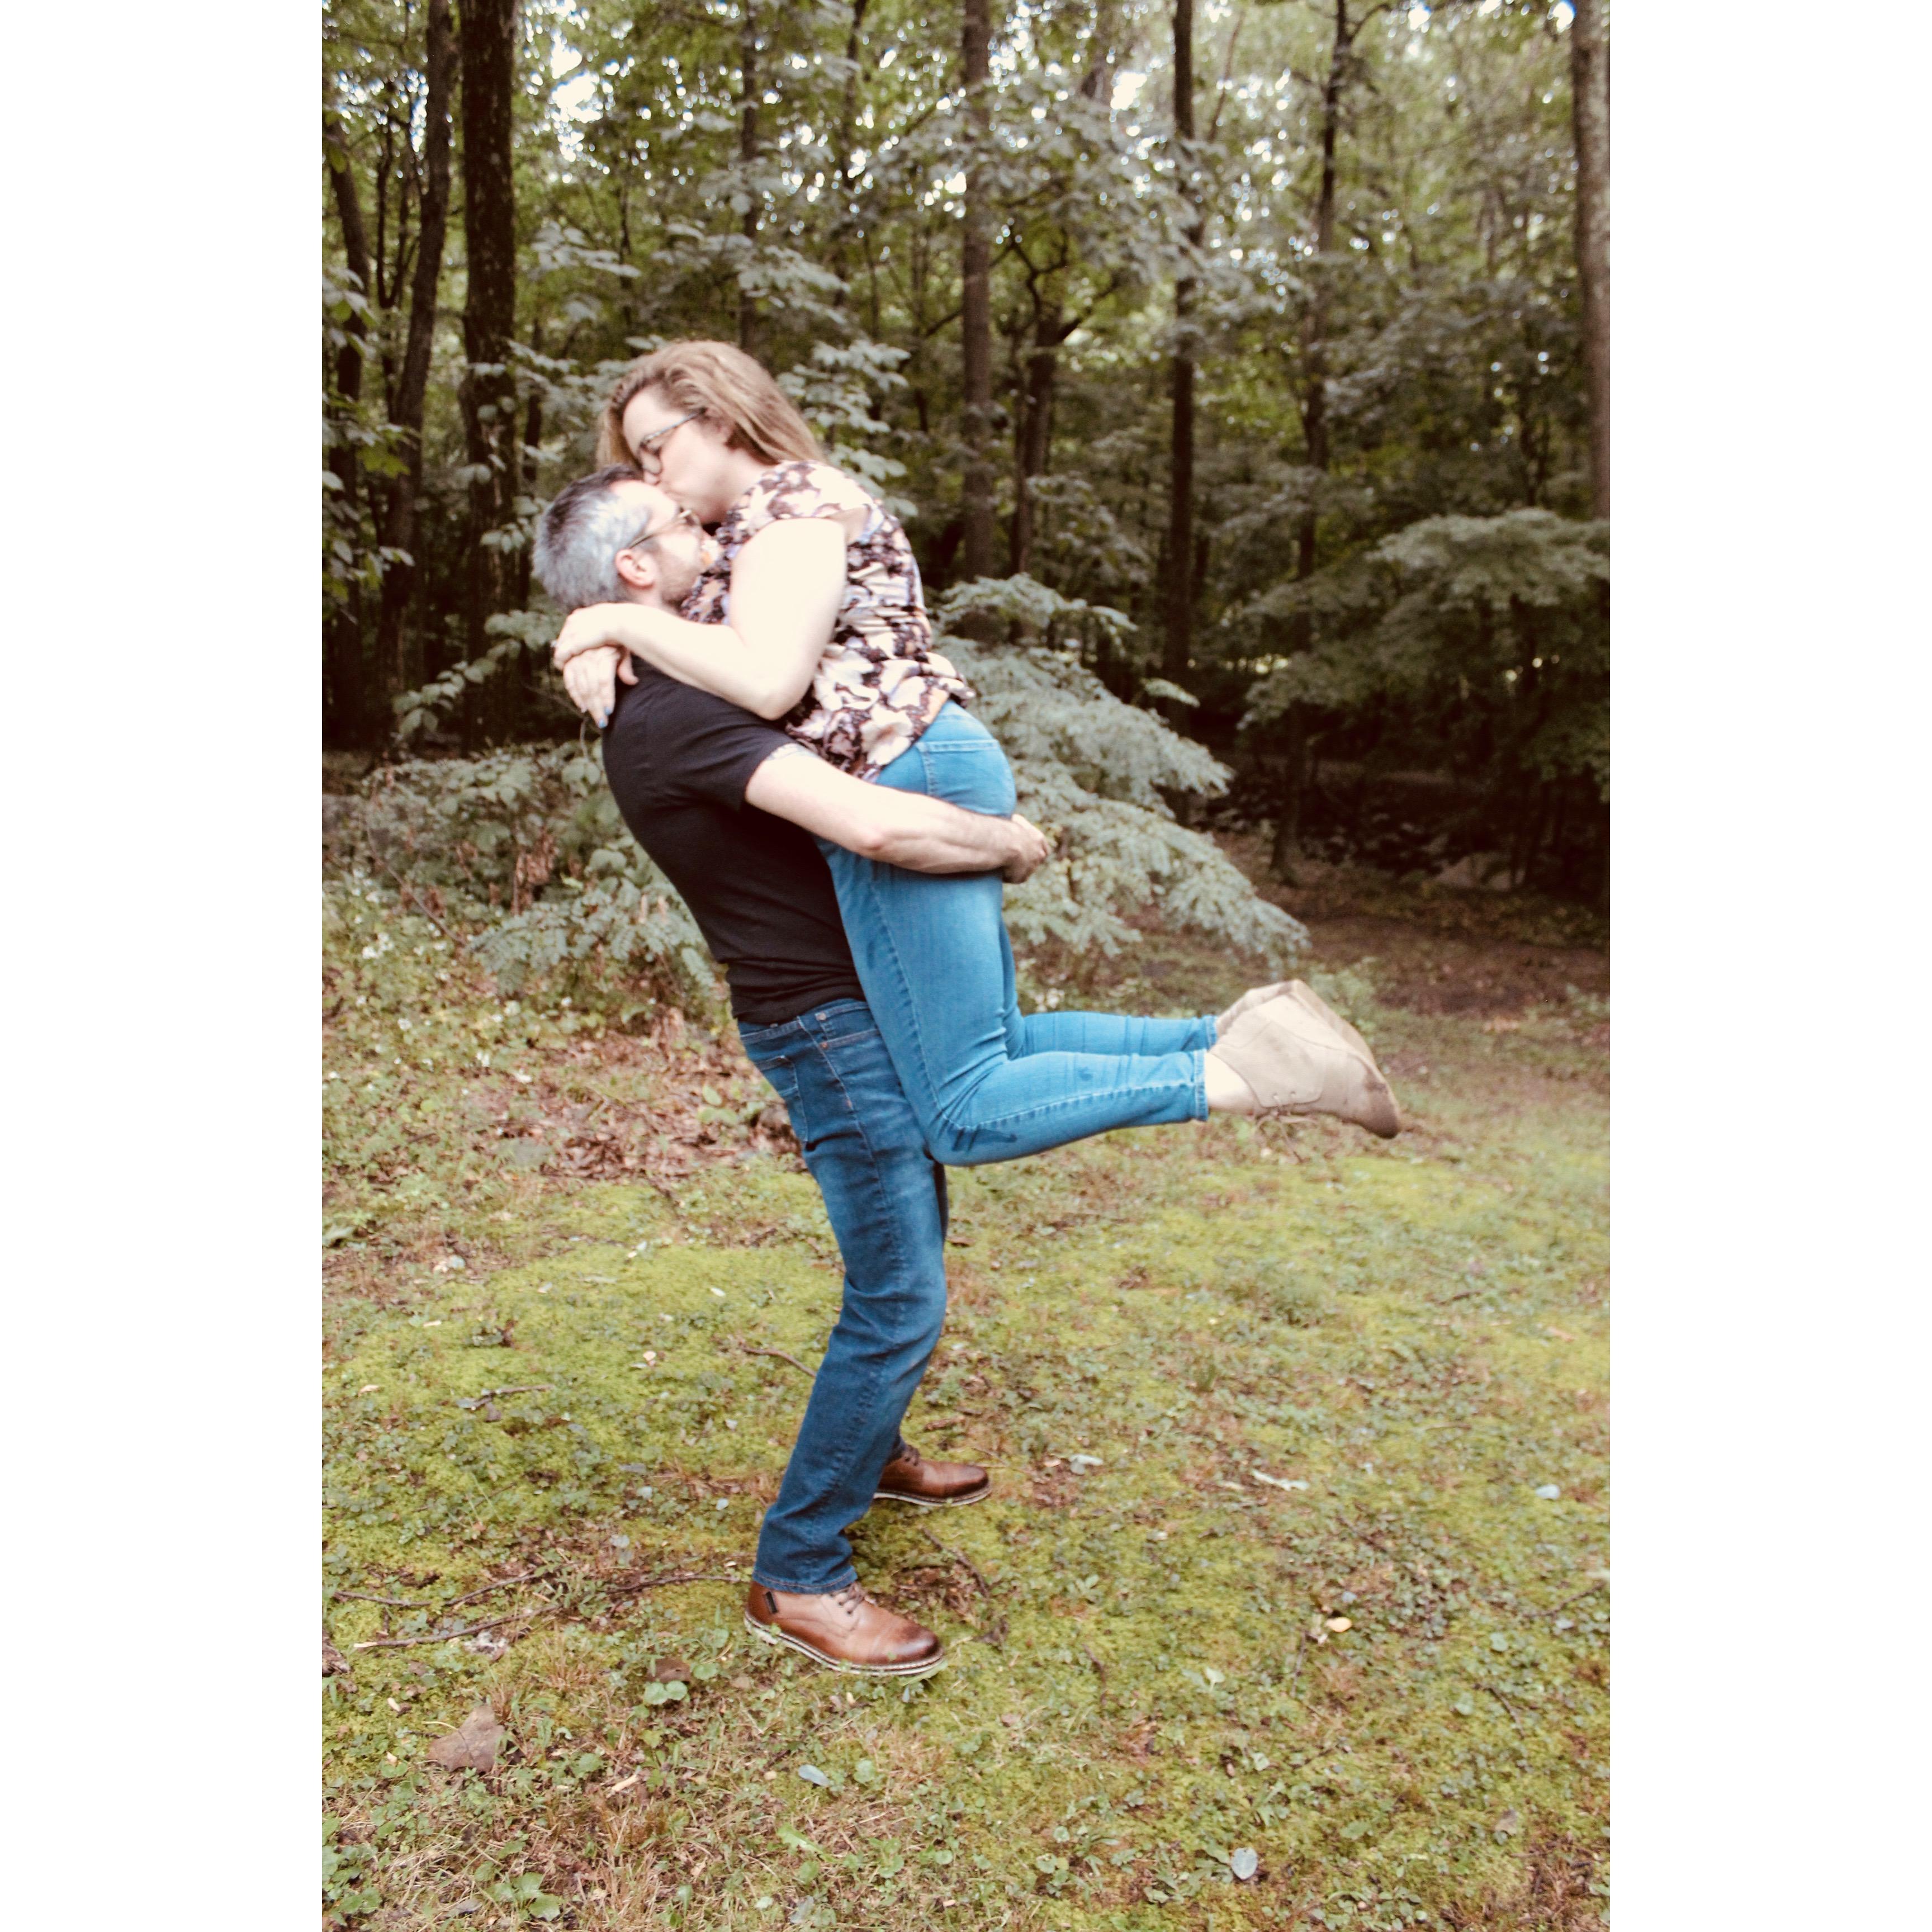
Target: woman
column 810, row 611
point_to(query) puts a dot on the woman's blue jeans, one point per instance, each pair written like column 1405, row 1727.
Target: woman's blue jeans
column 987, row 1082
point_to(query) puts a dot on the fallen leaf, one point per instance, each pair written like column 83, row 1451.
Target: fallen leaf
column 334, row 1664
column 812, row 1775
column 670, row 1670
column 1338, row 1625
column 473, row 1746
column 1244, row 1863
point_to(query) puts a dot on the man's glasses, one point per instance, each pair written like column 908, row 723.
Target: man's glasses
column 648, row 535
column 649, row 460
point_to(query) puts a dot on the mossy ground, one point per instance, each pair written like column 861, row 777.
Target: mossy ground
column 1144, row 1677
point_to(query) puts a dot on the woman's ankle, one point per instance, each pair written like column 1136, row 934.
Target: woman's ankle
column 1227, row 1093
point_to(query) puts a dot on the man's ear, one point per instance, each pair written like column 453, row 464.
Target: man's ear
column 637, row 570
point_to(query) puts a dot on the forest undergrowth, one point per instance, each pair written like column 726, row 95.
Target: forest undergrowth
column 1289, row 1607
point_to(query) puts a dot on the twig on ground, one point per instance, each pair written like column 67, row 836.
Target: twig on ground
column 490, row 1395
column 966, row 1562
column 1589, row 1590
column 777, row 1355
column 489, row 1588
column 1443, row 1300
column 395, row 1602
column 455, row 1636
column 1300, row 1652
column 659, row 1583
column 1507, row 1705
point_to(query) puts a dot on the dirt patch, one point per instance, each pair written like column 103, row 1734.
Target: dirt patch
column 1437, row 950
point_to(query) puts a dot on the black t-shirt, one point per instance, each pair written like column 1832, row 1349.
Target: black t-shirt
column 679, row 761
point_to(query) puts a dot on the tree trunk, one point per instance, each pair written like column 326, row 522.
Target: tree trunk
column 1314, row 436
column 527, row 465
column 976, row 300
column 1314, row 326
column 748, row 91
column 487, row 39
column 1176, row 650
column 1033, row 441
column 1590, row 113
column 847, row 225
column 346, row 710
column 402, row 669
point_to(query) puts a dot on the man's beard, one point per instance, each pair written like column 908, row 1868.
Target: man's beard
column 676, row 574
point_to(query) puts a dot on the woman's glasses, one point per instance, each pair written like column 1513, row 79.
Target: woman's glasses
column 649, row 460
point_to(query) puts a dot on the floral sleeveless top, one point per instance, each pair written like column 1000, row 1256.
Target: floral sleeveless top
column 879, row 683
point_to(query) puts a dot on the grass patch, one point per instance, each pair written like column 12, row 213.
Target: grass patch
column 1308, row 1380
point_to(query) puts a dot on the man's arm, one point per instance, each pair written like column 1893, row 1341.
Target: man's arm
column 901, row 828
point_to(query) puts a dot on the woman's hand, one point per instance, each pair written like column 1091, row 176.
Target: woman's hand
column 596, row 624
column 590, row 675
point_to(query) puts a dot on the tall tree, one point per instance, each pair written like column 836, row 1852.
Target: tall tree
column 343, row 646
column 1293, row 749
column 748, row 91
column 487, row 39
column 1590, row 111
column 1180, row 486
column 977, row 298
column 399, row 669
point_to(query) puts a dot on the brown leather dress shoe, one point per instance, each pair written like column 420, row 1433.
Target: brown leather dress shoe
column 911, row 1478
column 844, row 1630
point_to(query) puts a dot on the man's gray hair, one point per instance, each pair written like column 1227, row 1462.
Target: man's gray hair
column 579, row 536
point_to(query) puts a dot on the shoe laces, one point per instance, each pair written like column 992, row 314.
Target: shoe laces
column 852, row 1599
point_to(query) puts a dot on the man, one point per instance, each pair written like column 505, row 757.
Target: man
column 727, row 804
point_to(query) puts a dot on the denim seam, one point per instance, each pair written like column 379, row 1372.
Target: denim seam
column 801, row 1589
column 868, row 1377
column 908, row 1007
column 1193, row 1088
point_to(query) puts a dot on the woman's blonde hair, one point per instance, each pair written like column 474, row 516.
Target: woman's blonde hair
column 728, row 385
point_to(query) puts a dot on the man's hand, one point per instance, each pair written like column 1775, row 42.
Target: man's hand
column 1035, row 850
column 897, row 828
column 591, row 678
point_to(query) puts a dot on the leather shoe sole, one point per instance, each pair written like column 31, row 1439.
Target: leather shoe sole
column 978, row 1495
column 770, row 1634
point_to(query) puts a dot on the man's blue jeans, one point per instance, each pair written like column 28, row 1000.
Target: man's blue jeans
column 885, row 1196
column 986, row 1082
